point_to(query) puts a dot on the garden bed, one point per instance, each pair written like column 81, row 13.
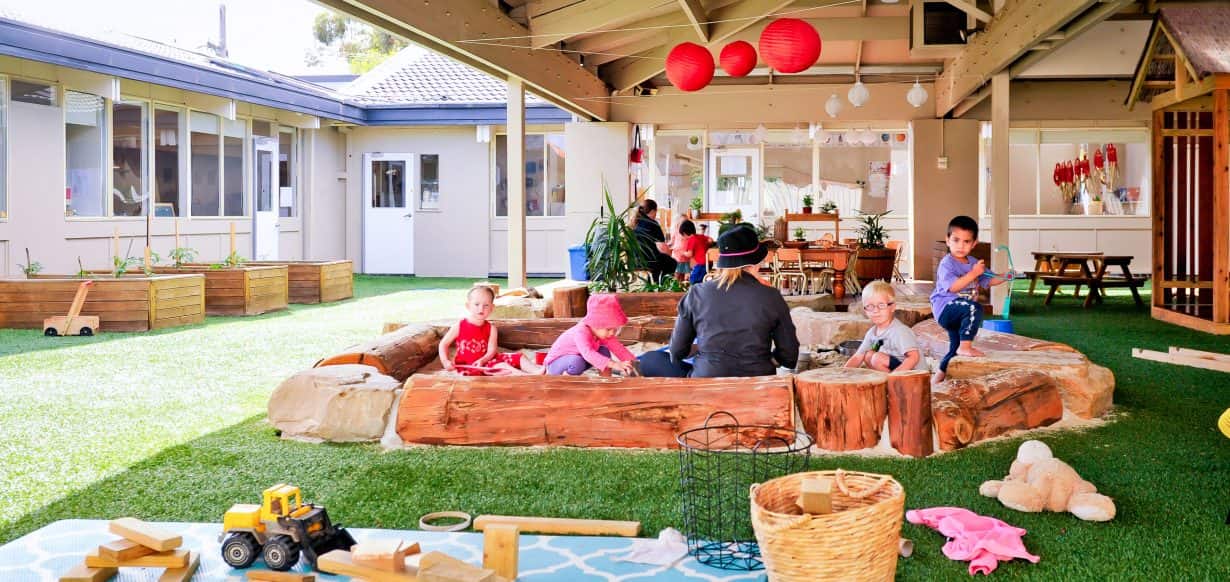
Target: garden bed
column 660, row 304
column 316, row 281
column 131, row 303
column 243, row 290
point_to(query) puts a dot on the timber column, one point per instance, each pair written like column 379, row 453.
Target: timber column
column 516, row 183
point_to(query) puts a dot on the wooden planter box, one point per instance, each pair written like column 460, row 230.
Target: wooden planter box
column 317, row 281
column 244, row 290
column 660, row 304
column 131, row 303
column 875, row 264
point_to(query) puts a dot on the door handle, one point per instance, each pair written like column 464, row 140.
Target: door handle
column 408, row 215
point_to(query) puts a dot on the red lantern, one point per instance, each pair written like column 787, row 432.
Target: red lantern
column 790, row 45
column 1097, row 159
column 738, row 58
column 1057, row 176
column 1112, row 155
column 689, row 67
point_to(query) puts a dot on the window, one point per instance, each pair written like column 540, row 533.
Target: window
column 129, row 157
column 4, row 119
column 167, row 162
column 84, row 134
column 388, row 184
column 286, row 171
column 544, row 175
column 36, row 93
column 205, row 168
column 429, row 182
column 234, row 201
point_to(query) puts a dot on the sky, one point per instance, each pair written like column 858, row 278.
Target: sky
column 265, row 34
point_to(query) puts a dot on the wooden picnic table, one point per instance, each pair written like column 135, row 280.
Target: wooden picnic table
column 839, row 257
column 1046, row 263
column 1091, row 269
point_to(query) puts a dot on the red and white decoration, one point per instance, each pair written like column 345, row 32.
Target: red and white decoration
column 790, row 45
column 738, row 58
column 689, row 67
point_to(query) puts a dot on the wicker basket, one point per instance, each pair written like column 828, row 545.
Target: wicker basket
column 858, row 541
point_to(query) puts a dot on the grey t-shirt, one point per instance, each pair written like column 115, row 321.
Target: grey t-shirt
column 895, row 341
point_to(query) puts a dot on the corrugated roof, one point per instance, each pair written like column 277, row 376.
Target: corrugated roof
column 416, row 76
column 1202, row 33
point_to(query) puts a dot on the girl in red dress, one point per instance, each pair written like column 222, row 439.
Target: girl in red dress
column 476, row 342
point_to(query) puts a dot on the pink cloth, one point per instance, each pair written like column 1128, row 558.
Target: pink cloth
column 981, row 540
column 579, row 340
column 603, row 311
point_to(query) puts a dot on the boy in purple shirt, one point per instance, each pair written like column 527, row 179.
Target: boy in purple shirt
column 954, row 303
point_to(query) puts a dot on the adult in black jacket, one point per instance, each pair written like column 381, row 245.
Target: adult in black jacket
column 744, row 326
column 653, row 242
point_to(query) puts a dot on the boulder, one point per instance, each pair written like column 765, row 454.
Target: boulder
column 1085, row 387
column 344, row 403
column 908, row 312
column 515, row 307
column 828, row 328
column 933, row 340
column 819, row 302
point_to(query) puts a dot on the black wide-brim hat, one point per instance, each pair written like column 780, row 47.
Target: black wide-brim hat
column 740, row 247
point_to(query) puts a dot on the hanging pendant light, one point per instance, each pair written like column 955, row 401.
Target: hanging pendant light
column 832, row 106
column 917, row 95
column 858, row 94
column 761, row 133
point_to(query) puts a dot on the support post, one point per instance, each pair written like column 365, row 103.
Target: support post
column 516, row 183
column 1221, row 204
column 998, row 202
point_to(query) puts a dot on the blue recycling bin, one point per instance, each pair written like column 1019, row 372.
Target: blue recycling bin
column 1003, row 325
column 577, row 263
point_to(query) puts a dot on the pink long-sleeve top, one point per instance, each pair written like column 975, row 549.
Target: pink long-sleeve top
column 580, row 340
column 980, row 540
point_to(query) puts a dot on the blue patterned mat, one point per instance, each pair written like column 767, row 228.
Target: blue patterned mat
column 44, row 554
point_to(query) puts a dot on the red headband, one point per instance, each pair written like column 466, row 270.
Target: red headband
column 720, row 254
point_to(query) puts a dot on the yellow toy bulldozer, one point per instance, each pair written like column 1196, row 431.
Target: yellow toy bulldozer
column 278, row 530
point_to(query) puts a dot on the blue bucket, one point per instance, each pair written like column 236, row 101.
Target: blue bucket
column 1002, row 325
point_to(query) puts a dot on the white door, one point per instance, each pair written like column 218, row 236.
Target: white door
column 265, row 219
column 734, row 182
column 388, row 222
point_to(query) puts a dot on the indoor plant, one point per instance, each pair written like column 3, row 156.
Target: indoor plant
column 697, row 204
column 808, row 199
column 799, row 235
column 615, row 250
column 874, row 260
column 829, row 207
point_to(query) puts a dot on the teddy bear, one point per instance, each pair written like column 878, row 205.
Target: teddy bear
column 1038, row 481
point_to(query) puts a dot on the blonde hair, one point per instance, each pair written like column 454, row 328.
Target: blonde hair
column 878, row 287
column 726, row 277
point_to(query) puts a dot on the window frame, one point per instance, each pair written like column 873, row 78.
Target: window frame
column 105, row 164
column 494, row 182
column 293, row 159
column 5, row 92
column 418, row 174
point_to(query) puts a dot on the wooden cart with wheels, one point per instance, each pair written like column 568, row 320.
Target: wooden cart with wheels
column 74, row 323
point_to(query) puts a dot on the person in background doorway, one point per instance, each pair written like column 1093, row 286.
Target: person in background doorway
column 652, row 240
column 699, row 247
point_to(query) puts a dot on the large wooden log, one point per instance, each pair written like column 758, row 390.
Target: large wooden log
column 570, row 301
column 398, row 353
column 538, row 334
column 974, row 409
column 663, row 304
column 1087, row 389
column 843, row 409
column 933, row 340
column 581, row 411
column 909, row 412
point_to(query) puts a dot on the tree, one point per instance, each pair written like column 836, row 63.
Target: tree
column 360, row 44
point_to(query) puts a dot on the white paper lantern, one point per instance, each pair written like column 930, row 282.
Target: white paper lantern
column 761, row 132
column 917, row 95
column 832, row 106
column 858, row 94
column 867, row 138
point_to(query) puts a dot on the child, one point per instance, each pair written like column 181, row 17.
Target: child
column 698, row 246
column 476, row 341
column 954, row 303
column 592, row 341
column 889, row 345
column 681, row 249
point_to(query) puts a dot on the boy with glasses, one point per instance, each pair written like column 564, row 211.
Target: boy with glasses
column 889, row 345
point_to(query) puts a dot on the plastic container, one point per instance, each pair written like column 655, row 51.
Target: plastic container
column 1001, row 325
column 577, row 263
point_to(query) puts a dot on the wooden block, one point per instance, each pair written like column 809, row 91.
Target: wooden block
column 171, row 559
column 271, row 576
column 562, row 526
column 816, row 495
column 459, row 572
column 501, row 544
column 83, row 573
column 387, row 555
column 145, row 534
column 340, row 562
column 123, row 549
column 182, row 574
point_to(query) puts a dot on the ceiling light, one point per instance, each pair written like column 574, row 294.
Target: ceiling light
column 858, row 94
column 832, row 106
column 917, row 95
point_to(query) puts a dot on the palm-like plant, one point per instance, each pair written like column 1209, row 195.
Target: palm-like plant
column 616, row 251
column 871, row 233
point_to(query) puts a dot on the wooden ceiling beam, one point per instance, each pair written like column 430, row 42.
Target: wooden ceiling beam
column 582, row 17
column 970, row 8
column 1017, row 27
column 695, row 11
column 634, row 48
column 629, row 33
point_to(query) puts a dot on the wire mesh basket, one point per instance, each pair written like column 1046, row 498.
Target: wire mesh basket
column 718, row 463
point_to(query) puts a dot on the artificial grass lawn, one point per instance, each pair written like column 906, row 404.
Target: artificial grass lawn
column 144, row 424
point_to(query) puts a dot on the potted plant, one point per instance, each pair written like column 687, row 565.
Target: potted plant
column 807, row 202
column 829, row 207
column 697, row 204
column 728, row 220
column 1094, row 207
column 615, row 251
column 799, row 235
column 875, row 261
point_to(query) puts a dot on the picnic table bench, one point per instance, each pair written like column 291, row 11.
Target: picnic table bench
column 1091, row 269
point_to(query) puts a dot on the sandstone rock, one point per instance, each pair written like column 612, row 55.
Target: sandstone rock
column 933, row 340
column 345, row 403
column 1086, row 388
column 513, row 307
column 908, row 312
column 828, row 328
column 819, row 302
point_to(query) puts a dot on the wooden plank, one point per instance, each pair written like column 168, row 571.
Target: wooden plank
column 1191, row 353
column 146, row 534
column 167, row 559
column 83, row 573
column 1162, row 313
column 1221, row 205
column 340, row 562
column 561, row 526
column 1158, row 151
column 182, row 574
column 123, row 549
column 582, row 17
column 695, row 11
column 165, row 322
column 580, row 410
column 271, row 576
column 1182, row 360
column 501, row 545
column 1182, row 93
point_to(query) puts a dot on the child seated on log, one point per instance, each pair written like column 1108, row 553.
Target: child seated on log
column 477, row 342
column 592, row 341
column 954, row 302
column 889, row 345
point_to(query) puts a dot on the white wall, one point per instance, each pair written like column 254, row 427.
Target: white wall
column 327, row 214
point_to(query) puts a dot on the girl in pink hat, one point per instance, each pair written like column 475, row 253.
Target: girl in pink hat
column 593, row 341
